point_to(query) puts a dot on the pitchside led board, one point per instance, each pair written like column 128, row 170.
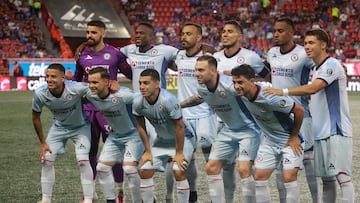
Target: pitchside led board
column 34, row 73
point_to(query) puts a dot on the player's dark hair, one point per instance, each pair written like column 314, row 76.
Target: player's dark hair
column 197, row 26
column 210, row 59
column 57, row 66
column 104, row 73
column 244, row 70
column 235, row 23
column 152, row 73
column 320, row 34
column 97, row 23
column 286, row 20
column 148, row 25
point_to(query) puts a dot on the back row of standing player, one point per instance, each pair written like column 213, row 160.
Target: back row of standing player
column 288, row 61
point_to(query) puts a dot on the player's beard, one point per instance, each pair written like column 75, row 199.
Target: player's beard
column 93, row 43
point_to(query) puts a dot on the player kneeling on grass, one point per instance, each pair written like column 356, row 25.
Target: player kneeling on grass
column 280, row 119
column 163, row 111
column 123, row 142
column 63, row 99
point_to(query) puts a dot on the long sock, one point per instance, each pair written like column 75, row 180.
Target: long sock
column 229, row 176
column 192, row 174
column 347, row 188
column 280, row 185
column 312, row 181
column 183, row 191
column 170, row 180
column 147, row 188
column 132, row 174
column 47, row 179
column 216, row 188
column 329, row 190
column 93, row 162
column 262, row 191
column 292, row 192
column 86, row 177
column 106, row 180
column 248, row 189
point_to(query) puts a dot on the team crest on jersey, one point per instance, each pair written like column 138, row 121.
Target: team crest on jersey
column 107, row 56
column 294, row 57
column 154, row 52
column 133, row 64
column 282, row 103
column 240, row 60
column 222, row 94
column 69, row 97
column 160, row 107
column 329, row 71
column 114, row 100
column 259, row 158
column 176, row 106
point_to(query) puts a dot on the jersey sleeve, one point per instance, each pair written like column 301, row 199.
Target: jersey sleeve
column 124, row 67
column 37, row 104
column 330, row 71
column 127, row 95
column 173, row 108
column 170, row 53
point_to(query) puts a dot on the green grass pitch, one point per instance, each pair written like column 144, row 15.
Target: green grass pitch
column 20, row 166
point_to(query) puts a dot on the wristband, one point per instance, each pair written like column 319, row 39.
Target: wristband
column 285, row 92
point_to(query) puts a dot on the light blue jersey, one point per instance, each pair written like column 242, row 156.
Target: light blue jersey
column 272, row 114
column 158, row 58
column 67, row 109
column 114, row 110
column 229, row 108
column 291, row 69
column 187, row 84
column 243, row 56
column 161, row 115
column 330, row 106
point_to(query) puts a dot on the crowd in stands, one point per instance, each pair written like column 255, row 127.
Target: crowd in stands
column 20, row 37
column 339, row 17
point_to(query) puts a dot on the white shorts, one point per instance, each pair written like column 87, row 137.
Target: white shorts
column 204, row 130
column 161, row 155
column 306, row 132
column 230, row 145
column 332, row 156
column 271, row 157
column 128, row 148
column 58, row 136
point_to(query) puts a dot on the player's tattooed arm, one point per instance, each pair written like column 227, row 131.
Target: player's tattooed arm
column 191, row 101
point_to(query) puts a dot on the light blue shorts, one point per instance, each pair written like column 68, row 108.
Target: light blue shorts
column 204, row 130
column 126, row 148
column 332, row 156
column 58, row 136
column 271, row 157
column 162, row 154
column 230, row 145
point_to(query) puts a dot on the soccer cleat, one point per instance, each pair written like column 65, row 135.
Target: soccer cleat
column 120, row 198
column 193, row 197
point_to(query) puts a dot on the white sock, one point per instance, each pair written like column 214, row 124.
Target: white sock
column 280, row 185
column 106, row 180
column 216, row 188
column 292, row 192
column 47, row 179
column 170, row 180
column 147, row 188
column 329, row 190
column 132, row 174
column 262, row 191
column 183, row 191
column 347, row 188
column 191, row 175
column 248, row 189
column 229, row 177
column 86, row 177
column 312, row 181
